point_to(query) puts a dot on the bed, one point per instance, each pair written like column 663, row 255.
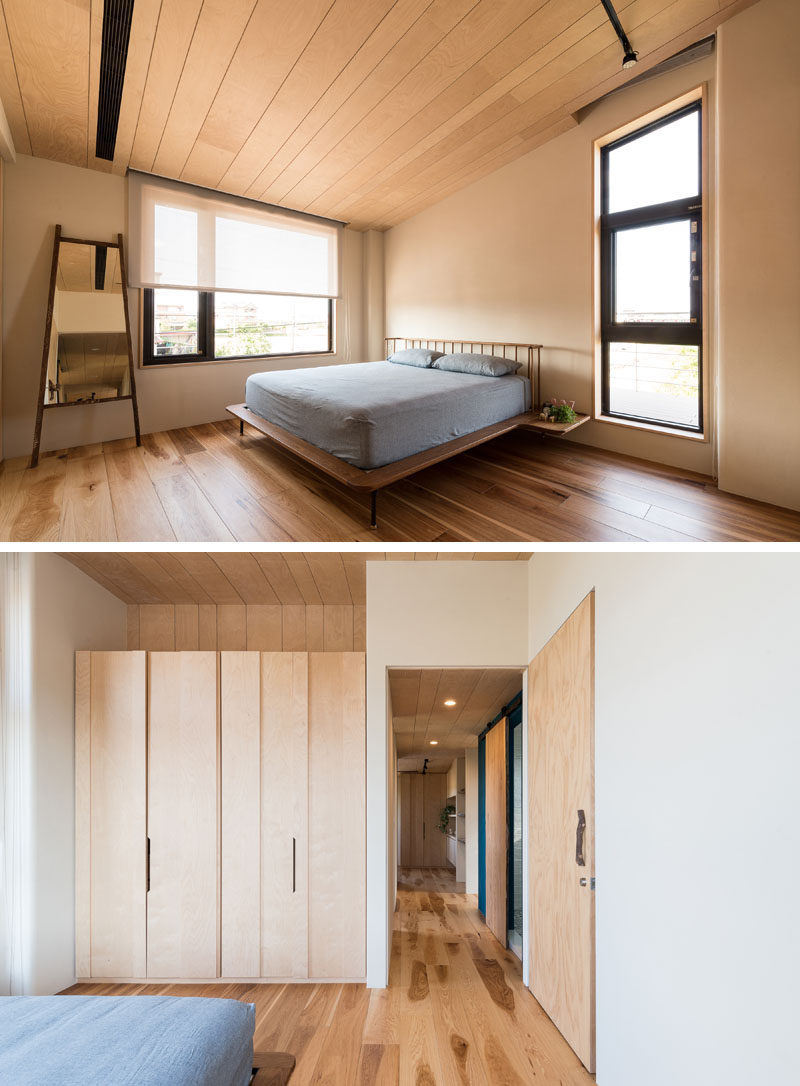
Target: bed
column 143, row 1040
column 371, row 424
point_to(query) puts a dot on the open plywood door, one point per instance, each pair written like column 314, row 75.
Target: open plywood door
column 561, row 805
column 497, row 831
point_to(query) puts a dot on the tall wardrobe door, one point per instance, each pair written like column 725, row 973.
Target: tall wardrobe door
column 110, row 816
column 404, row 819
column 337, row 783
column 434, row 846
column 240, row 750
column 417, row 820
column 182, row 815
column 284, row 814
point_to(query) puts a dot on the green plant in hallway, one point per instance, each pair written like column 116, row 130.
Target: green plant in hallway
column 444, row 818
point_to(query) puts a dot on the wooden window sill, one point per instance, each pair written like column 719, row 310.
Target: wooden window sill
column 649, row 427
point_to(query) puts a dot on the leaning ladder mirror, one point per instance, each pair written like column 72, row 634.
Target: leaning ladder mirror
column 87, row 357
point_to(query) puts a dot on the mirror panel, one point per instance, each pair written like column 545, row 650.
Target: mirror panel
column 92, row 366
column 88, row 356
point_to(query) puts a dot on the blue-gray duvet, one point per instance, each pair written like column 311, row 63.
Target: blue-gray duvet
column 125, row 1040
column 374, row 413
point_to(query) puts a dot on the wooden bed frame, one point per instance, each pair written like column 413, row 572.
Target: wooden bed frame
column 373, row 480
column 272, row 1068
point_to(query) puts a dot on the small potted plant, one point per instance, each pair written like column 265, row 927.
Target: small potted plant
column 556, row 410
column 444, row 818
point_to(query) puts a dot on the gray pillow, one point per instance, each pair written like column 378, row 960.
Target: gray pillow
column 415, row 356
column 484, row 365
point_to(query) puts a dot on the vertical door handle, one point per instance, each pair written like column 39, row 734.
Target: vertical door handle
column 294, row 865
column 579, row 835
column 148, row 865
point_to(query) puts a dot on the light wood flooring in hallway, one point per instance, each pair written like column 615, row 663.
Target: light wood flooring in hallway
column 208, row 484
column 455, row 1013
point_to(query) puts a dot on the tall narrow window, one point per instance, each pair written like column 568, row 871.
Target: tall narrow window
column 651, row 268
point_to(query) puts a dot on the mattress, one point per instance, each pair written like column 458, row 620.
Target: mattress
column 374, row 413
column 125, row 1040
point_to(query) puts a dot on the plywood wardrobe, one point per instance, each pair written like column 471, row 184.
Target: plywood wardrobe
column 220, row 819
column 422, row 798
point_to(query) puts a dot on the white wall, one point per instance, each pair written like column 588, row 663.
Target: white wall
column 61, row 611
column 425, row 614
column 93, row 205
column 697, row 749
column 759, row 257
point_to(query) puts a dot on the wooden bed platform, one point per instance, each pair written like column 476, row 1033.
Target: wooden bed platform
column 373, row 480
column 272, row 1068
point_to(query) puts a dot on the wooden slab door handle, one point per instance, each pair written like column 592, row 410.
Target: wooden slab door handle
column 579, row 835
column 294, row 865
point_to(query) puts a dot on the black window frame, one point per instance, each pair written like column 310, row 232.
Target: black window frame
column 679, row 333
column 205, row 334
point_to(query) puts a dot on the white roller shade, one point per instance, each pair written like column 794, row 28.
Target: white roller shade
column 183, row 236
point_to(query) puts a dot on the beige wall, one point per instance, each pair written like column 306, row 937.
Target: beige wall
column 759, row 257
column 510, row 258
column 262, row 627
column 82, row 311
column 374, row 291
column 93, row 205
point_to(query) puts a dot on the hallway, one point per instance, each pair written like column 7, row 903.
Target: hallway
column 456, row 1002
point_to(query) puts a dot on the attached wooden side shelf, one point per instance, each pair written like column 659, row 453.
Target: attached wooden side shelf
column 557, row 429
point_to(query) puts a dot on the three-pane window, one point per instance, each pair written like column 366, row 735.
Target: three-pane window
column 651, row 289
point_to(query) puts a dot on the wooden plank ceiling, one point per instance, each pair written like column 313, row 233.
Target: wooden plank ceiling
column 262, row 577
column 361, row 110
column 419, row 714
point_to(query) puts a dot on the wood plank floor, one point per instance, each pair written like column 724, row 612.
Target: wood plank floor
column 208, row 484
column 455, row 1013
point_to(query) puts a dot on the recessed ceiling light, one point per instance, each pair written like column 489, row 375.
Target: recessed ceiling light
column 450, row 703
column 434, row 742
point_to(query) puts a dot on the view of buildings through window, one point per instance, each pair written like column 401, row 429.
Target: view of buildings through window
column 243, row 324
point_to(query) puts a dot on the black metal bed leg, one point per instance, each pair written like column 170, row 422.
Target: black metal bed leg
column 373, row 498
column 241, row 427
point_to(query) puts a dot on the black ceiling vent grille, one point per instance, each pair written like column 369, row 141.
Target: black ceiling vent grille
column 117, row 15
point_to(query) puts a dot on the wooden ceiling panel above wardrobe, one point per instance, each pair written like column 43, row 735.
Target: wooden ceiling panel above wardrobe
column 363, row 110
column 326, row 577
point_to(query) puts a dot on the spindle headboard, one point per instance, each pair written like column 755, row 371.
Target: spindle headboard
column 516, row 352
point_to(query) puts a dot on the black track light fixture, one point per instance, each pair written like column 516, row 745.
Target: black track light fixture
column 631, row 56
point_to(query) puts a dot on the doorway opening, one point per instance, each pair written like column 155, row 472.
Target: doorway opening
column 440, row 718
